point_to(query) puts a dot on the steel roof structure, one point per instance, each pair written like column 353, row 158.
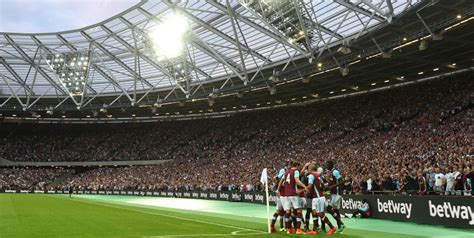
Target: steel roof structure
column 232, row 48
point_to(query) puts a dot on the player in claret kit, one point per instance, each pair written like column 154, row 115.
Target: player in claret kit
column 280, row 191
column 336, row 184
column 301, row 191
column 291, row 200
column 316, row 188
column 305, row 197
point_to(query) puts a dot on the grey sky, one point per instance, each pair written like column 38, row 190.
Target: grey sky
column 56, row 15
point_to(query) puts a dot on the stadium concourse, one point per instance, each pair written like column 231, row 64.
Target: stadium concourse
column 344, row 118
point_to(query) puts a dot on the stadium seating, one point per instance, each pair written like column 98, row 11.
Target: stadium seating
column 378, row 140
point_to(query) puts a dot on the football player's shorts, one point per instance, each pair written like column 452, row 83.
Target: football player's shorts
column 290, row 202
column 279, row 205
column 335, row 201
column 302, row 202
column 309, row 203
column 318, row 204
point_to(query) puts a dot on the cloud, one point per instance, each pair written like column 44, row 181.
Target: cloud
column 56, row 15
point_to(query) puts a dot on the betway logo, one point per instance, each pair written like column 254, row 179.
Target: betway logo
column 224, row 195
column 259, row 197
column 187, row 194
column 248, row 197
column 213, row 195
column 271, row 198
column 394, row 207
column 236, row 196
column 350, row 204
column 195, row 195
column 203, row 195
column 452, row 211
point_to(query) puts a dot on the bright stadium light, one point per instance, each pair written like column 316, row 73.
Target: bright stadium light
column 168, row 37
column 71, row 69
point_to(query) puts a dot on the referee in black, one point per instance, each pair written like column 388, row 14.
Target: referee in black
column 71, row 190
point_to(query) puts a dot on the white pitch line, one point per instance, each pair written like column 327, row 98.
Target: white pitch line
column 199, row 235
column 163, row 215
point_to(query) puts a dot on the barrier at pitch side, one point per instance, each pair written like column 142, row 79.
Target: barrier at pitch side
column 449, row 211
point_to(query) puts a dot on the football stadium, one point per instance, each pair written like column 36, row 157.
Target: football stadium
column 237, row 118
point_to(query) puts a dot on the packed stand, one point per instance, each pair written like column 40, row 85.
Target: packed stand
column 381, row 141
column 28, row 178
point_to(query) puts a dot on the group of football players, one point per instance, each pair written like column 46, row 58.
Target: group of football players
column 303, row 188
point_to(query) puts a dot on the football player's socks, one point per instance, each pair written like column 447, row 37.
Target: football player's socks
column 274, row 218
column 315, row 220
column 293, row 219
column 299, row 217
column 338, row 218
column 287, row 220
column 307, row 216
column 326, row 220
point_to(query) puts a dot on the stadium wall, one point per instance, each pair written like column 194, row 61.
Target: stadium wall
column 448, row 211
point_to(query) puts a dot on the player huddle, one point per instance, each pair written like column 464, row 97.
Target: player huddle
column 298, row 191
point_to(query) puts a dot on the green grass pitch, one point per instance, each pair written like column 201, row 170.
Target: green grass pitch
column 34, row 215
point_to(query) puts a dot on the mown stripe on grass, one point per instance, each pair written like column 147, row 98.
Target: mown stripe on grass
column 202, row 235
column 124, row 207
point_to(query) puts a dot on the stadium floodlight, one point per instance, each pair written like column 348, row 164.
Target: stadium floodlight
column 166, row 43
column 285, row 17
column 275, row 77
column 104, row 108
column 211, row 101
column 272, row 89
column 423, row 45
column 344, row 49
column 157, row 104
column 169, row 36
column 72, row 70
column 344, row 71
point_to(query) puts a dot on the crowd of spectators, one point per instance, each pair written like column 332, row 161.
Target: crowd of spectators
column 28, row 178
column 383, row 140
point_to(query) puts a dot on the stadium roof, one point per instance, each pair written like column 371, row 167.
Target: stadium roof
column 234, row 54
